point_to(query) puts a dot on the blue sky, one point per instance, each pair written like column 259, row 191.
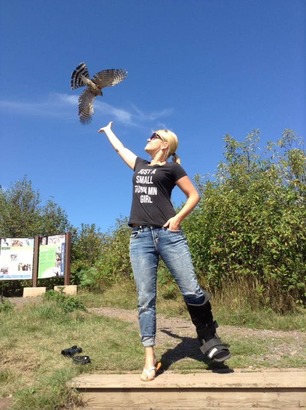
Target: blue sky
column 203, row 68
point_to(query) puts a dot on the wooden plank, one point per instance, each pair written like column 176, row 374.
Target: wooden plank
column 288, row 379
column 180, row 400
column 171, row 391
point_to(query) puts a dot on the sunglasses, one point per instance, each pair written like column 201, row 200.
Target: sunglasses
column 155, row 137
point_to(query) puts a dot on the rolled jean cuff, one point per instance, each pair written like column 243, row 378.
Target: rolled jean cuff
column 148, row 341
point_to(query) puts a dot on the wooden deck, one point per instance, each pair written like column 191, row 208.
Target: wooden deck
column 265, row 389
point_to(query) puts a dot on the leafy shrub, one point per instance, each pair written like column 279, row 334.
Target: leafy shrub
column 6, row 305
column 113, row 263
column 167, row 286
column 67, row 303
column 86, row 248
column 250, row 225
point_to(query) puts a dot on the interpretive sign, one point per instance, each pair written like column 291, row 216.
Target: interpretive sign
column 51, row 256
column 16, row 258
column 35, row 258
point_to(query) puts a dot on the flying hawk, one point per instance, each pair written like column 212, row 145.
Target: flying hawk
column 80, row 78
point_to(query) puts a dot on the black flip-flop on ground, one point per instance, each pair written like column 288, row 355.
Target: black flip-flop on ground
column 81, row 359
column 71, row 351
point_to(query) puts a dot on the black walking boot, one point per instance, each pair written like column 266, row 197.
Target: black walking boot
column 211, row 345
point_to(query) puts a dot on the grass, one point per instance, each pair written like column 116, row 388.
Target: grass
column 35, row 373
column 235, row 312
column 31, row 339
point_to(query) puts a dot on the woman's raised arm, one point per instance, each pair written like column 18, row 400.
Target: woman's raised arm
column 128, row 156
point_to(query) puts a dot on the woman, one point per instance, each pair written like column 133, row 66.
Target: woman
column 156, row 232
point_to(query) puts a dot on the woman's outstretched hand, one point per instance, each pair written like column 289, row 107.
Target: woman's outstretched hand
column 107, row 127
column 128, row 156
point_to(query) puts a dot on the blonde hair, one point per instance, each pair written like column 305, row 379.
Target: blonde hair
column 171, row 138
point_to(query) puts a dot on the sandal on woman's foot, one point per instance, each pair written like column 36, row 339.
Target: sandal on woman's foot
column 148, row 374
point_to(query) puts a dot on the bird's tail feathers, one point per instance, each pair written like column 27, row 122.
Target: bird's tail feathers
column 79, row 76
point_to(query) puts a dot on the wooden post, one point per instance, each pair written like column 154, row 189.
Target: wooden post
column 35, row 261
column 67, row 258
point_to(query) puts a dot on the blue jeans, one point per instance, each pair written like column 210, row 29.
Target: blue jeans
column 147, row 245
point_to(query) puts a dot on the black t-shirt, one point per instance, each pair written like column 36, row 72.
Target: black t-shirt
column 152, row 187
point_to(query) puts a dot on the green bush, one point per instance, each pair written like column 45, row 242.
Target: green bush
column 249, row 228
column 6, row 305
column 86, row 248
column 113, row 263
column 167, row 286
column 66, row 302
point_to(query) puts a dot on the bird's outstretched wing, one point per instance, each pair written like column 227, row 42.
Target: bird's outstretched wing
column 86, row 109
column 109, row 77
column 106, row 78
column 76, row 76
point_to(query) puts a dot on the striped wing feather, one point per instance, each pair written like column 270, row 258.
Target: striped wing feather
column 109, row 77
column 86, row 109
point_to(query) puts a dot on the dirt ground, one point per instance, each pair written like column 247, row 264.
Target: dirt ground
column 179, row 335
column 5, row 403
